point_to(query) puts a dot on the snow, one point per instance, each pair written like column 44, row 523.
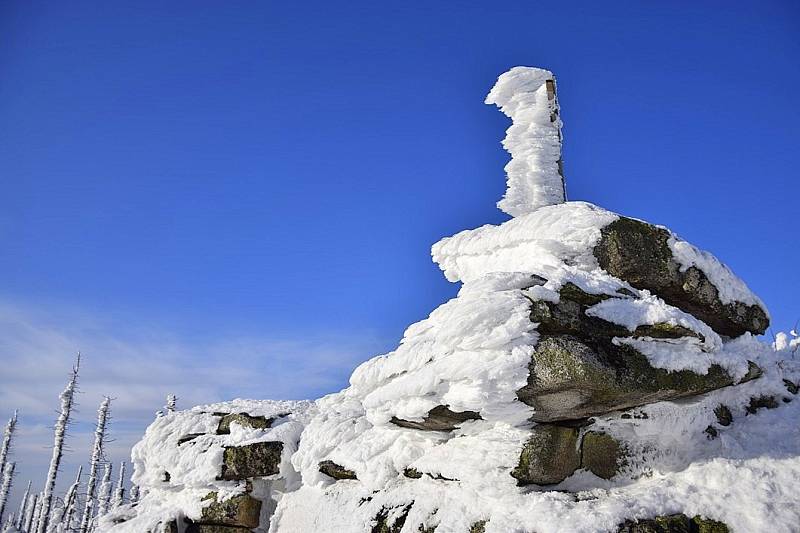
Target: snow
column 194, row 466
column 533, row 140
column 730, row 287
column 473, row 353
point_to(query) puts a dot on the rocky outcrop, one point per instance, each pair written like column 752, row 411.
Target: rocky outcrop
column 245, row 420
column 578, row 369
column 253, row 460
column 639, row 253
column 240, row 511
column 550, row 456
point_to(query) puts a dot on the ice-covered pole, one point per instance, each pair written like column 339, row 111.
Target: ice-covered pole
column 97, row 456
column 535, row 176
column 5, row 486
column 23, row 506
column 119, row 493
column 104, row 494
column 60, row 431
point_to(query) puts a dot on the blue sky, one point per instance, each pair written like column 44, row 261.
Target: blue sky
column 239, row 198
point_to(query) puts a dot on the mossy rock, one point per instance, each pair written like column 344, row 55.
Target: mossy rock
column 260, row 459
column 549, row 456
column 677, row 523
column 440, row 418
column 571, row 377
column 331, row 469
column 243, row 419
column 382, row 522
column 412, row 473
column 602, row 454
column 639, row 253
column 242, row 510
column 579, row 371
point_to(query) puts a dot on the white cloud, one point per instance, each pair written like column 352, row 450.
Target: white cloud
column 138, row 366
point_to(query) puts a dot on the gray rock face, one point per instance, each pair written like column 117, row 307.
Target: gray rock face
column 638, row 253
column 440, row 418
column 253, row 460
column 577, row 371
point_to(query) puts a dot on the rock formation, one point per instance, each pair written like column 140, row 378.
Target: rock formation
column 594, row 373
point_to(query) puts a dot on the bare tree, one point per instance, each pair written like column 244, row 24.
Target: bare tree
column 6, row 445
column 104, row 494
column 23, row 506
column 30, row 515
column 119, row 494
column 134, row 495
column 5, row 487
column 172, row 400
column 60, row 430
column 70, row 503
column 37, row 513
column 97, row 456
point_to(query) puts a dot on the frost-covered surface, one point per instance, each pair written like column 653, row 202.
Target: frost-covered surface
column 745, row 478
column 472, row 354
column 731, row 288
column 194, row 466
column 533, row 140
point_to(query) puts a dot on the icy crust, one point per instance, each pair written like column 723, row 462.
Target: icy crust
column 471, row 354
column 533, row 140
column 746, row 477
column 193, row 466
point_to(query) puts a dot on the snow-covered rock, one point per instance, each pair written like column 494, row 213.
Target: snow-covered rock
column 593, row 370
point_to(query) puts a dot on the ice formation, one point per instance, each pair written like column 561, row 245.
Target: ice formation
column 639, row 362
column 535, row 177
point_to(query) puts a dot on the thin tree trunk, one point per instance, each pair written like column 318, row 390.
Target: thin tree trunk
column 97, row 456
column 104, row 494
column 6, row 445
column 119, row 494
column 60, row 432
column 70, row 503
column 30, row 516
column 37, row 513
column 5, row 487
column 23, row 506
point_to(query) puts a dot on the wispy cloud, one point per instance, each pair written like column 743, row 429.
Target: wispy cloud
column 138, row 366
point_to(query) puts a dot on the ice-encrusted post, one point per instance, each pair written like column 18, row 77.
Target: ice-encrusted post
column 97, row 456
column 535, row 176
column 60, row 431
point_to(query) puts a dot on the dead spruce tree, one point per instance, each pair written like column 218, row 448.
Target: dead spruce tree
column 70, row 503
column 104, row 494
column 23, row 506
column 30, row 514
column 97, row 456
column 60, row 431
column 6, row 445
column 119, row 494
column 5, row 487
